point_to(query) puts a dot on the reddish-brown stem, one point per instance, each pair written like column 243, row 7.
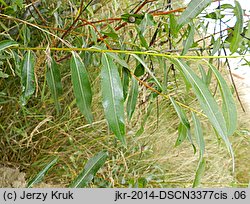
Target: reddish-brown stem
column 81, row 10
column 100, row 35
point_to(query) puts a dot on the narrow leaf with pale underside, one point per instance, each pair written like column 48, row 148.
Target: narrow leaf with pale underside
column 229, row 109
column 194, row 8
column 199, row 172
column 112, row 94
column 190, row 39
column 53, row 78
column 207, row 103
column 238, row 28
column 201, row 144
column 38, row 178
column 81, row 86
column 28, row 76
column 7, row 43
column 132, row 98
column 198, row 134
column 90, row 169
column 184, row 127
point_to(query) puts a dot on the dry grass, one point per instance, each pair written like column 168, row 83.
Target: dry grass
column 30, row 137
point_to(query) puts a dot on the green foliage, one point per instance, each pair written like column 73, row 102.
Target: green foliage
column 201, row 144
column 228, row 107
column 53, row 78
column 112, row 94
column 207, row 102
column 28, row 77
column 81, row 86
column 238, row 28
column 130, row 70
column 190, row 39
column 194, row 8
column 90, row 169
column 6, row 44
column 132, row 98
column 39, row 177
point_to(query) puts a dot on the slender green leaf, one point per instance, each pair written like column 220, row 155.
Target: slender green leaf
column 201, row 143
column 247, row 34
column 194, row 8
column 216, row 46
column 203, row 73
column 114, row 56
column 39, row 177
column 229, row 109
column 199, row 173
column 125, row 81
column 142, row 38
column 148, row 20
column 184, row 129
column 206, row 77
column 93, row 34
column 7, row 43
column 238, row 28
column 132, row 98
column 53, row 78
column 198, row 134
column 113, row 101
column 148, row 70
column 190, row 39
column 28, row 76
column 118, row 59
column 182, row 134
column 225, row 6
column 90, row 169
column 81, row 86
column 207, row 102
column 173, row 28
column 181, row 114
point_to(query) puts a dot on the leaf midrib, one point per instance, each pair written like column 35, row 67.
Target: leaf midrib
column 112, row 93
column 89, row 169
column 80, row 82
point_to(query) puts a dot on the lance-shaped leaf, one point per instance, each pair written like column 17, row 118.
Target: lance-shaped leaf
column 125, row 82
column 216, row 46
column 198, row 135
column 206, row 77
column 199, row 172
column 182, row 134
column 53, row 78
column 238, row 28
column 181, row 114
column 201, row 143
column 90, row 169
column 28, row 76
column 132, row 98
column 81, row 86
column 190, row 39
column 7, row 43
column 194, row 8
column 39, row 177
column 184, row 127
column 229, row 109
column 112, row 94
column 207, row 103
